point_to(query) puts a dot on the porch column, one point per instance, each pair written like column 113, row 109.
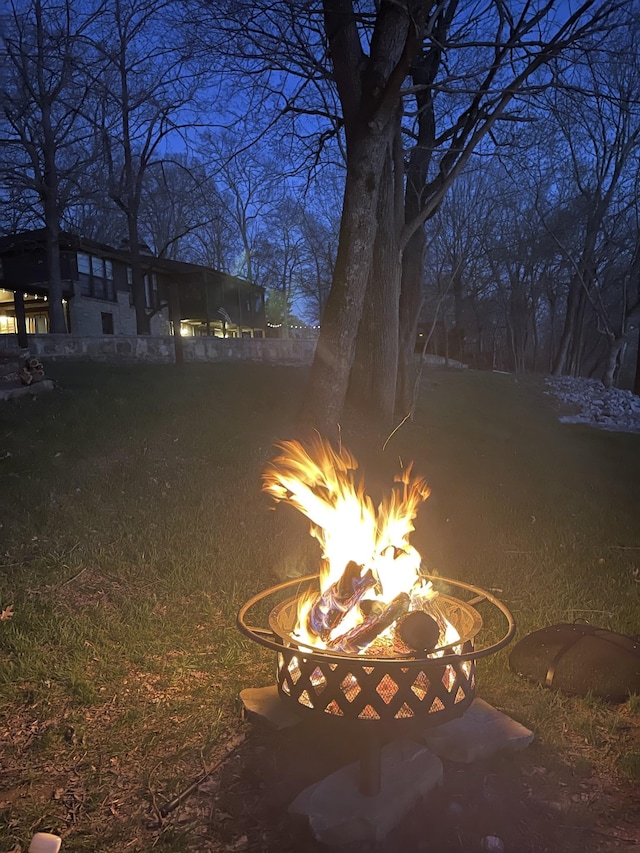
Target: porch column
column 21, row 320
column 174, row 316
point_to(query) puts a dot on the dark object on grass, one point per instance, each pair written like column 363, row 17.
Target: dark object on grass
column 580, row 659
column 32, row 371
column 419, row 631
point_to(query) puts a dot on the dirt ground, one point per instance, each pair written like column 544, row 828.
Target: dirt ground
column 514, row 802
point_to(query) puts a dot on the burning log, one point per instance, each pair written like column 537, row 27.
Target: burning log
column 365, row 633
column 332, row 605
column 419, row 631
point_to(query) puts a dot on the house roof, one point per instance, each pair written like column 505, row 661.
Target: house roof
column 25, row 241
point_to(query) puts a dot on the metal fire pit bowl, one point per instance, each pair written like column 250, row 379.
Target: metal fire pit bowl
column 381, row 692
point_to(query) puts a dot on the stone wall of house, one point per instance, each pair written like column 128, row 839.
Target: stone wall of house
column 86, row 314
column 161, row 349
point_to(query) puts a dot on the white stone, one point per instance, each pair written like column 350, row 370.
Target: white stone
column 479, row 733
column 339, row 814
column 45, row 842
column 492, row 844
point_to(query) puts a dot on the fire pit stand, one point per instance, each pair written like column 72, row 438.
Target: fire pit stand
column 382, row 696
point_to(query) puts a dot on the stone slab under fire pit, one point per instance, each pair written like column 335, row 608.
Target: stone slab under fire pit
column 266, row 703
column 340, row 815
column 479, row 733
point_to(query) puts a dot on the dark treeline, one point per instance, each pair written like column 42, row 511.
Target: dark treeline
column 461, row 175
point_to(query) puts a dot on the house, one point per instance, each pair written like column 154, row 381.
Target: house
column 97, row 292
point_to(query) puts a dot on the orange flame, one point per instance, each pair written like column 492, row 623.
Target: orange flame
column 324, row 483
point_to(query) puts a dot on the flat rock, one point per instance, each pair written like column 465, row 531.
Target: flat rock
column 479, row 733
column 266, row 703
column 340, row 815
column 12, row 392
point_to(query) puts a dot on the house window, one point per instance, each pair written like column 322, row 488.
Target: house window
column 107, row 322
column 151, row 290
column 7, row 325
column 151, row 298
column 96, row 277
column 84, row 273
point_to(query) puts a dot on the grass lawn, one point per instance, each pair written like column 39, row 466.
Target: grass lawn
column 133, row 527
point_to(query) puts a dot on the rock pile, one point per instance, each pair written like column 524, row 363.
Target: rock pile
column 615, row 409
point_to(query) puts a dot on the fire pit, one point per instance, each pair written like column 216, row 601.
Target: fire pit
column 371, row 640
column 403, row 687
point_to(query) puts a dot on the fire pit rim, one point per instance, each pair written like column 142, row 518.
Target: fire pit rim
column 266, row 637
column 275, row 623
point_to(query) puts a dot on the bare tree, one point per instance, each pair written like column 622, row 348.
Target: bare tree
column 147, row 89
column 175, row 204
column 43, row 135
column 411, row 91
column 501, row 81
column 598, row 114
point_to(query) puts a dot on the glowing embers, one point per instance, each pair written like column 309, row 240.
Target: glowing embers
column 304, row 699
column 318, row 680
column 387, row 689
column 460, row 696
column 294, row 670
column 368, row 713
column 421, row 685
column 350, row 688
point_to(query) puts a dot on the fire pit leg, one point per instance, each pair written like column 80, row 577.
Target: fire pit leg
column 370, row 765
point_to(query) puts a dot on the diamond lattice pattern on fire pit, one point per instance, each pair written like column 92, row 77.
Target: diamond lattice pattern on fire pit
column 361, row 691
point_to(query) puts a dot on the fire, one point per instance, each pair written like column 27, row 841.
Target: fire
column 370, row 573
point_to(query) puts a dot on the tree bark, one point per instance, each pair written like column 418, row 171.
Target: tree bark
column 613, row 351
column 561, row 359
column 143, row 322
column 336, row 346
column 423, row 73
column 372, row 381
column 369, row 91
column 410, row 305
column 636, row 380
column 49, row 192
column 57, row 323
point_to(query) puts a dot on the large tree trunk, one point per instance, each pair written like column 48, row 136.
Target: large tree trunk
column 49, row 196
column 410, row 305
column 372, row 382
column 636, row 379
column 576, row 355
column 143, row 324
column 337, row 341
column 369, row 90
column 615, row 345
column 57, row 323
column 562, row 356
column 423, row 72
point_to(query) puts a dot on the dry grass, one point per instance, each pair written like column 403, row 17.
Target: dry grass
column 133, row 527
